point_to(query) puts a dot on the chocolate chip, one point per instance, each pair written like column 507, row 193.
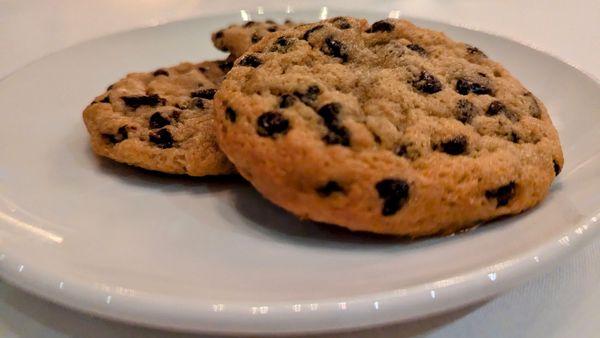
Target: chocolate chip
column 202, row 69
column 394, row 193
column 272, row 29
column 427, row 83
column 503, row 194
column 250, row 61
column 454, row 146
column 401, row 150
column 159, row 72
column 341, row 23
column 219, row 34
column 120, row 136
column 225, row 65
column 464, row 86
column 230, row 114
column 335, row 48
column 106, row 99
column 495, row 108
column 161, row 138
column 287, row 21
column 208, row 94
column 249, row 23
column 557, row 168
column 286, row 101
column 272, row 123
column 311, row 94
column 475, row 51
column 255, row 38
column 158, row 121
column 110, row 87
column 310, row 31
column 465, row 111
column 337, row 135
column 534, row 107
column 329, row 113
column 175, row 115
column 143, row 100
column 199, row 103
column 282, row 44
column 381, row 26
column 417, row 48
column 513, row 137
column 329, row 188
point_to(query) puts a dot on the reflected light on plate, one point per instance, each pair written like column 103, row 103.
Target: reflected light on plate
column 395, row 14
column 376, row 305
column 323, row 13
column 21, row 267
column 245, row 16
column 108, row 299
column 260, row 10
column 289, row 9
column 61, row 285
column 342, row 306
column 536, row 259
column 31, row 228
column 218, row 307
column 314, row 306
column 432, row 294
column 492, row 276
column 564, row 241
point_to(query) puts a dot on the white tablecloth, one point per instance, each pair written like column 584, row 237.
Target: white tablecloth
column 564, row 302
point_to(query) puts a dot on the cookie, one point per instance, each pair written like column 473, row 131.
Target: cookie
column 161, row 120
column 236, row 39
column 388, row 128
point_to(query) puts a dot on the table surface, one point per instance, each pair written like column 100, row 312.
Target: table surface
column 563, row 302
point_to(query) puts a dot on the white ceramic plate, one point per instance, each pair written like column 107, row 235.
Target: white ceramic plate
column 210, row 254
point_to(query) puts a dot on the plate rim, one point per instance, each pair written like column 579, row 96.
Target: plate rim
column 273, row 318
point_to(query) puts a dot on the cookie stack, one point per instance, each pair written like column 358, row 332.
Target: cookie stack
column 383, row 127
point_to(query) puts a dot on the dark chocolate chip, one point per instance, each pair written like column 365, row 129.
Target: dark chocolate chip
column 250, row 61
column 454, row 146
column 335, row 48
column 401, row 150
column 255, row 38
column 199, row 103
column 311, row 94
column 249, row 23
column 175, row 115
column 272, row 29
column 219, row 34
column 394, row 193
column 308, row 32
column 503, row 194
column 110, row 87
column 158, row 121
column 143, row 100
column 120, row 136
column 202, row 69
column 337, row 135
column 495, row 108
column 381, row 26
column 417, row 48
column 465, row 111
column 286, row 101
column 282, row 44
column 513, row 137
column 287, row 21
column 464, row 86
column 225, row 65
column 475, row 51
column 161, row 138
column 534, row 107
column 159, row 72
column 557, row 168
column 272, row 123
column 329, row 113
column 427, row 83
column 329, row 188
column 106, row 99
column 208, row 94
column 230, row 114
column 376, row 138
column 341, row 23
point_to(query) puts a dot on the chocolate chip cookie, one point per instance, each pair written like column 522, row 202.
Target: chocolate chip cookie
column 387, row 127
column 161, row 120
column 236, row 39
